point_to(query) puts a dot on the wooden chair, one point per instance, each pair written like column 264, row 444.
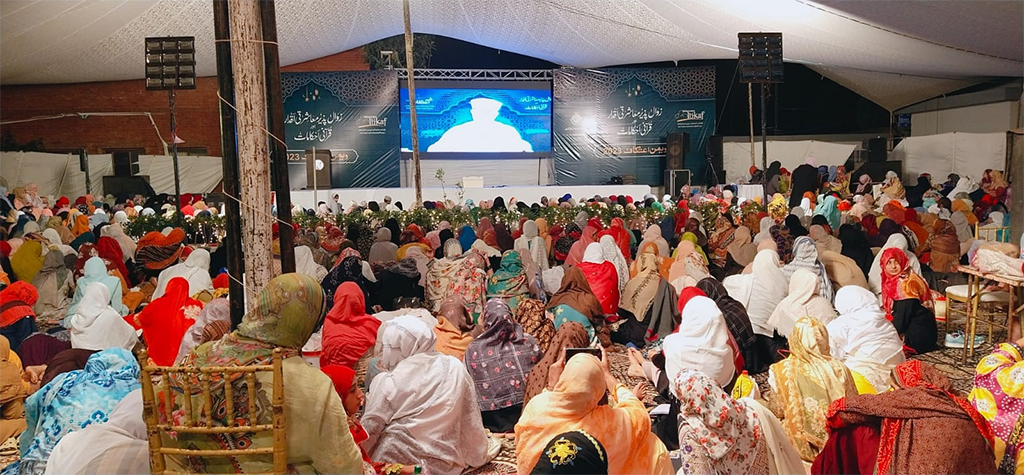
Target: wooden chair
column 986, row 307
column 992, row 233
column 199, row 420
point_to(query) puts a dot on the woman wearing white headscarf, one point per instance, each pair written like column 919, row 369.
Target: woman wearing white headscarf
column 420, row 398
column 127, row 243
column 966, row 184
column 54, row 242
column 760, row 291
column 119, row 445
column 120, row 217
column 195, row 269
column 383, row 249
column 805, row 256
column 653, row 235
column 611, row 253
column 863, row 339
column 531, row 243
column 95, row 325
column 701, row 343
column 803, row 301
column 763, row 232
column 306, row 264
column 897, row 240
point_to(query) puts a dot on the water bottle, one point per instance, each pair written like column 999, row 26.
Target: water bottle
column 745, row 387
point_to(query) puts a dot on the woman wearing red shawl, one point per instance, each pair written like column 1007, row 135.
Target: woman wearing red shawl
column 907, row 302
column 870, row 225
column 920, row 427
column 618, row 232
column 682, row 216
column 165, row 320
column 110, row 251
column 588, row 237
column 603, row 279
column 348, row 331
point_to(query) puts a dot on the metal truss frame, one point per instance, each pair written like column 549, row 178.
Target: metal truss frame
column 479, row 74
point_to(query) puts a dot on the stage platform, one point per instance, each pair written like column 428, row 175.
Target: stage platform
column 529, row 194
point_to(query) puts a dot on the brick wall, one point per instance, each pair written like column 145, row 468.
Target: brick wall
column 196, row 111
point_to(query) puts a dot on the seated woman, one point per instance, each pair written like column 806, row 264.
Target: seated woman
column 455, row 329
column 284, row 315
column 348, row 332
column 895, row 241
column 572, row 401
column 399, row 281
column 116, row 446
column 999, row 400
column 422, row 397
column 216, row 314
column 12, row 392
column 689, row 265
column 737, row 321
column 497, row 360
column 805, row 256
column 863, row 339
column 721, row 435
column 195, row 269
column 17, row 319
column 165, row 320
column 920, row 427
column 352, row 397
column 575, row 302
column 803, row 301
column 96, row 271
column 456, row 273
column 907, row 302
column 569, row 335
column 760, row 292
column 806, row 383
column 509, row 282
column 944, row 246
column 603, row 279
column 383, row 249
column 71, row 402
column 95, row 325
column 533, row 244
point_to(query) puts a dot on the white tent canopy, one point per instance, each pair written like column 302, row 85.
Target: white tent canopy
column 935, row 42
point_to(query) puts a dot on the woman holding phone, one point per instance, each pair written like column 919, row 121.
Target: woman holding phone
column 572, row 401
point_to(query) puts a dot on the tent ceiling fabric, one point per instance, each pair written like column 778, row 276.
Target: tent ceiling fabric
column 67, row 41
column 893, row 91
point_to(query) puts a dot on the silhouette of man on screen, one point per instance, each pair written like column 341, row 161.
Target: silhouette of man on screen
column 483, row 133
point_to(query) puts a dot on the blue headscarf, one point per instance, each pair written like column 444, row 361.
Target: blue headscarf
column 467, row 236
column 71, row 402
column 829, row 208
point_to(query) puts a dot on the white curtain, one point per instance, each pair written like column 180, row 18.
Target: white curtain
column 966, row 154
column 736, row 155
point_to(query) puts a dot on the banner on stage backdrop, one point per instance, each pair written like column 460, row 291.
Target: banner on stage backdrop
column 615, row 122
column 354, row 115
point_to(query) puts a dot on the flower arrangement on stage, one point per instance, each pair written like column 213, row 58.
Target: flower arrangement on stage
column 198, row 230
column 211, row 228
column 743, row 209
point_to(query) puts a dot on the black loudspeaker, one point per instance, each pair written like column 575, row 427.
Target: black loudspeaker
column 675, row 179
column 713, row 150
column 877, row 150
column 677, row 144
column 877, row 170
column 130, row 185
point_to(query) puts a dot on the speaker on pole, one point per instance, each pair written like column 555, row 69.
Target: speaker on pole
column 678, row 143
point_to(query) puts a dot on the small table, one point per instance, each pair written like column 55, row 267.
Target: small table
column 975, row 278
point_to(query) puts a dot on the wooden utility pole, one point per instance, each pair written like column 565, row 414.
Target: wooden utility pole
column 229, row 158
column 254, row 156
column 278, row 151
column 417, row 178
